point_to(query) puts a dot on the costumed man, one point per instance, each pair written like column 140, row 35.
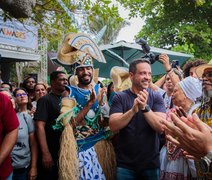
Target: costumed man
column 81, row 115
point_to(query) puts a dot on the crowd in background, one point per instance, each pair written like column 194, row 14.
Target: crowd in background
column 180, row 91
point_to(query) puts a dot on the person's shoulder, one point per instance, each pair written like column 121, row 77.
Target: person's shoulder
column 153, row 93
column 122, row 93
column 3, row 97
column 44, row 98
column 4, row 101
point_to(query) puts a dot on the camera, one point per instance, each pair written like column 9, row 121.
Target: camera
column 151, row 57
column 175, row 63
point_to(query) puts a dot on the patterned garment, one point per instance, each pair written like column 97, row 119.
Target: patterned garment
column 89, row 165
column 204, row 112
column 173, row 164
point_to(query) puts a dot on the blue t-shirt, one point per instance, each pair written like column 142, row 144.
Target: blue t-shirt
column 137, row 147
column 21, row 153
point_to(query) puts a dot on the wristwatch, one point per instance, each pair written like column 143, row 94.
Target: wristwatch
column 205, row 162
column 146, row 109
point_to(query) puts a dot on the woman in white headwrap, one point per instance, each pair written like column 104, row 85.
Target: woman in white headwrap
column 173, row 163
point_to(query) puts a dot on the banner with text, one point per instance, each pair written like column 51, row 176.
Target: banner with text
column 16, row 34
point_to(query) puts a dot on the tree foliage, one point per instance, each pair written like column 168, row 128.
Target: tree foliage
column 178, row 25
column 54, row 22
column 108, row 16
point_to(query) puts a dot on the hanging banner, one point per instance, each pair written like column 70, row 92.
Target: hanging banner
column 16, row 34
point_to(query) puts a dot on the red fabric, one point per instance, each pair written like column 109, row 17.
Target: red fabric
column 8, row 122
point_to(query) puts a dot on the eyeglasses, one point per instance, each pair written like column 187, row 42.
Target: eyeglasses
column 207, row 75
column 23, row 94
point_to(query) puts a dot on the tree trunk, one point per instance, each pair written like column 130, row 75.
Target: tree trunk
column 19, row 68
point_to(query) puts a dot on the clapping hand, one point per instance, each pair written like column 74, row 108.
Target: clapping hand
column 93, row 96
column 141, row 101
column 191, row 134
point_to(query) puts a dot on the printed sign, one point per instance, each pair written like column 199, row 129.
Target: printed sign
column 16, row 34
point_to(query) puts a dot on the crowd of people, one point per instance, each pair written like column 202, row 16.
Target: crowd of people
column 77, row 128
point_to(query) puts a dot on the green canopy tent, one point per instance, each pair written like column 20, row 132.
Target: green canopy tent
column 122, row 53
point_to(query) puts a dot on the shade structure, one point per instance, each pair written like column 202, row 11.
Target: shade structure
column 122, row 53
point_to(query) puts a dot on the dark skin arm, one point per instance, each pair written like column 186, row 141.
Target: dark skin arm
column 80, row 116
column 41, row 135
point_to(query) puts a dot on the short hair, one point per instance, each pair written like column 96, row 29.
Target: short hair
column 24, row 84
column 133, row 64
column 10, row 85
column 54, row 75
column 191, row 63
column 5, row 89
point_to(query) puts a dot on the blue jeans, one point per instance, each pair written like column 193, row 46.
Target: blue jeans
column 20, row 174
column 10, row 177
column 127, row 174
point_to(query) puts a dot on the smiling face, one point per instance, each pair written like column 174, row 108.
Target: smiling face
column 142, row 77
column 85, row 75
column 40, row 90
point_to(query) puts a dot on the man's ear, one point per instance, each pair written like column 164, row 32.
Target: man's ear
column 131, row 75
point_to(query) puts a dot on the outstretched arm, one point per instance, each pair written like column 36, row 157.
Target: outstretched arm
column 164, row 58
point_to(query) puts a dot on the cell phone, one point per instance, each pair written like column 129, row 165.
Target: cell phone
column 175, row 63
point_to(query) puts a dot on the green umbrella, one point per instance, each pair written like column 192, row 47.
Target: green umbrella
column 122, row 53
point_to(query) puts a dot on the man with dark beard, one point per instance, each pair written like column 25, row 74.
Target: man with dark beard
column 136, row 113
column 80, row 112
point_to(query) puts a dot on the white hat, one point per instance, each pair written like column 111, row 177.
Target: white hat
column 192, row 88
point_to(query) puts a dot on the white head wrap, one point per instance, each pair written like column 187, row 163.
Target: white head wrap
column 191, row 87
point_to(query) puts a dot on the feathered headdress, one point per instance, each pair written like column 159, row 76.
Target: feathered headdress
column 79, row 50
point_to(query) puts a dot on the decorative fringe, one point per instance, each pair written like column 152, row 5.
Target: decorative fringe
column 106, row 157
column 68, row 161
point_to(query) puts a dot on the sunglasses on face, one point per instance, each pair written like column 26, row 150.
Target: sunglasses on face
column 22, row 94
column 207, row 75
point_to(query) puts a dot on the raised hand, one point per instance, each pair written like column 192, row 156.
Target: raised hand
column 93, row 96
column 196, row 141
column 164, row 58
column 142, row 97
